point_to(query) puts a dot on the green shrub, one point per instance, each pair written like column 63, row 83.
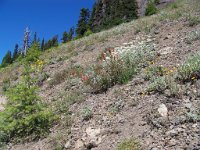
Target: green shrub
column 24, row 116
column 174, row 5
column 113, row 70
column 193, row 36
column 160, row 84
column 33, row 53
column 86, row 113
column 6, row 84
column 154, row 71
column 129, row 144
column 157, row 2
column 193, row 20
column 151, row 9
column 88, row 32
column 190, row 70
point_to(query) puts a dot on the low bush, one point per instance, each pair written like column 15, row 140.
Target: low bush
column 154, row 71
column 117, row 67
column 151, row 8
column 86, row 113
column 161, row 84
column 193, row 20
column 190, row 70
column 129, row 144
column 193, row 36
column 25, row 116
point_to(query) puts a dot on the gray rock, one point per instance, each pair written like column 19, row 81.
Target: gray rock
column 172, row 133
column 163, row 111
column 79, row 144
column 68, row 145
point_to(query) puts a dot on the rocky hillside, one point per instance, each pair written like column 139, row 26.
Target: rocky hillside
column 135, row 86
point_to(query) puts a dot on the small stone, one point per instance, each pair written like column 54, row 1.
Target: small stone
column 68, row 145
column 172, row 133
column 79, row 144
column 172, row 142
column 166, row 50
column 194, row 125
column 163, row 111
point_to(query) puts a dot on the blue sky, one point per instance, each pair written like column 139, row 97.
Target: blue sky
column 46, row 17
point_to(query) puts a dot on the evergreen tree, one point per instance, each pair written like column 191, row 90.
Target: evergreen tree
column 16, row 52
column 82, row 25
column 7, row 59
column 65, row 37
column 91, row 20
column 42, row 45
column 54, row 41
column 71, row 33
column 108, row 13
column 35, row 38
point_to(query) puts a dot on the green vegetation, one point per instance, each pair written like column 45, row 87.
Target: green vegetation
column 106, row 14
column 161, row 84
column 117, row 67
column 151, row 8
column 193, row 20
column 86, row 113
column 154, row 71
column 193, row 36
column 82, row 25
column 129, row 144
column 190, row 70
column 25, row 116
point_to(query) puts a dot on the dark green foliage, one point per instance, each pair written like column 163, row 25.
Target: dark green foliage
column 7, row 59
column 128, row 144
column 16, row 52
column 157, row 2
column 51, row 43
column 71, row 33
column 6, row 84
column 35, row 38
column 88, row 32
column 42, row 45
column 82, row 25
column 33, row 53
column 106, row 14
column 65, row 37
column 24, row 116
column 151, row 8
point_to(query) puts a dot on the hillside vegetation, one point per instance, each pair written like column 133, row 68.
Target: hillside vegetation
column 134, row 86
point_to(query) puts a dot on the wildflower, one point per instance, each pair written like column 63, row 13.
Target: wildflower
column 85, row 78
column 193, row 78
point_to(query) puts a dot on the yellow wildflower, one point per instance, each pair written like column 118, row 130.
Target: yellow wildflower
column 193, row 78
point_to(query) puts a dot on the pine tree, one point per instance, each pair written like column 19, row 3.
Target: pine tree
column 71, row 33
column 7, row 59
column 108, row 13
column 65, row 37
column 54, row 41
column 91, row 20
column 15, row 53
column 82, row 25
column 35, row 38
column 42, row 45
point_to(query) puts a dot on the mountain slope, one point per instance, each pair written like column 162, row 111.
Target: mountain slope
column 156, row 120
